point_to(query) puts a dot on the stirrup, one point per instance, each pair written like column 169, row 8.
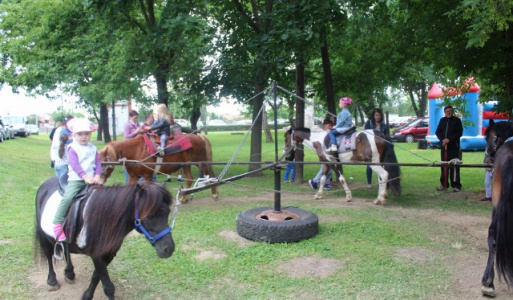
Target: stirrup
column 58, row 251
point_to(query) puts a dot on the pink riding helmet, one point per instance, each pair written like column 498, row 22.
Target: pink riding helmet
column 346, row 100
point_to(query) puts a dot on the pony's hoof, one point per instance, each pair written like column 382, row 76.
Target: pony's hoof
column 348, row 199
column 379, row 201
column 215, row 196
column 317, row 196
column 488, row 291
column 184, row 200
column 69, row 281
column 54, row 287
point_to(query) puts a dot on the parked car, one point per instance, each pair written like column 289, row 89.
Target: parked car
column 182, row 122
column 18, row 125
column 401, row 121
column 6, row 130
column 9, row 133
column 33, row 129
column 3, row 137
column 415, row 130
column 216, row 123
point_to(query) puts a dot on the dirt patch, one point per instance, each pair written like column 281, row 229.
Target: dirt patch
column 310, row 266
column 83, row 270
column 414, row 255
column 232, row 236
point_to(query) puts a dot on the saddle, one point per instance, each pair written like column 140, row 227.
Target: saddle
column 174, row 144
column 73, row 217
column 345, row 142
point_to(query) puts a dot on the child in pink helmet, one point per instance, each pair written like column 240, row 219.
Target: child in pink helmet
column 344, row 122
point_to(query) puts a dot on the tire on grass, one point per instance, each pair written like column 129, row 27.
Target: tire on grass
column 289, row 231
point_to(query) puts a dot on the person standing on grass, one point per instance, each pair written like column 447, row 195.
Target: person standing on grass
column 449, row 132
column 131, row 129
column 59, row 166
column 376, row 123
column 327, row 125
column 488, row 179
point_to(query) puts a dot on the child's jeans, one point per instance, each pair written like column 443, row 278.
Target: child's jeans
column 289, row 171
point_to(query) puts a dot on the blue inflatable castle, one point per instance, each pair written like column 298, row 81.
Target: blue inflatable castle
column 478, row 117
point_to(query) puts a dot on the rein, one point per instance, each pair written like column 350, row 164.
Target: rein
column 140, row 228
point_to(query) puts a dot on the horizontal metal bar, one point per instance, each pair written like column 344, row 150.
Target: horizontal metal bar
column 283, row 163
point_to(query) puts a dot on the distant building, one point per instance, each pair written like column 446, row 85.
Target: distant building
column 121, row 110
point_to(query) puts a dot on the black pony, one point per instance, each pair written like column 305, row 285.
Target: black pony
column 499, row 150
column 110, row 214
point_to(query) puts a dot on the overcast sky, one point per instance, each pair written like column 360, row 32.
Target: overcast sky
column 22, row 104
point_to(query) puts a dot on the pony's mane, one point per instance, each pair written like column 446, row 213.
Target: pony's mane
column 503, row 130
column 111, row 214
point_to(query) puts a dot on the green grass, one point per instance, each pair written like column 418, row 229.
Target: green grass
column 363, row 239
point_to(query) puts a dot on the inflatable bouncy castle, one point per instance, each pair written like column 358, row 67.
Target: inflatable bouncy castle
column 474, row 124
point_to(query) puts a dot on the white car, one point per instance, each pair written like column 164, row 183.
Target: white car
column 216, row 123
column 182, row 122
column 33, row 129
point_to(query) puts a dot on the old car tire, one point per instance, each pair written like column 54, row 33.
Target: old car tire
column 252, row 228
column 410, row 138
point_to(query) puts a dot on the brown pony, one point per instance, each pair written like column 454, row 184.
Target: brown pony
column 135, row 149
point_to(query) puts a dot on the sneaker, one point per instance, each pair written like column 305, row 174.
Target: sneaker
column 179, row 178
column 313, row 184
column 441, row 188
column 168, row 179
column 486, row 199
column 455, row 190
column 333, row 148
column 59, row 233
column 327, row 187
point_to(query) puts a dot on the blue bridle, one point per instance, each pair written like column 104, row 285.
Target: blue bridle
column 140, row 228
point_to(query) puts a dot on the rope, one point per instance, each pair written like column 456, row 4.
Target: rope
column 223, row 172
column 302, row 99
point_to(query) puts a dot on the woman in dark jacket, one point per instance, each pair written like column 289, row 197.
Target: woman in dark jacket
column 377, row 123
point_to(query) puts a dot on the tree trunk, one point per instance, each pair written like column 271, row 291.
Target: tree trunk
column 255, row 154
column 328, row 79
column 267, row 129
column 195, row 115
column 104, row 121
column 300, row 117
column 161, row 79
column 99, row 133
column 114, row 131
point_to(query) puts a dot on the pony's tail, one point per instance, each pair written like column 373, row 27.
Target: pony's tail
column 210, row 156
column 504, row 215
column 394, row 173
column 39, row 241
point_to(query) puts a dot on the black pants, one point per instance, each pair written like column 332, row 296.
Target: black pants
column 453, row 172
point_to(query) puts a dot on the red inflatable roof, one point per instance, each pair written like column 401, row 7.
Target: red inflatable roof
column 435, row 92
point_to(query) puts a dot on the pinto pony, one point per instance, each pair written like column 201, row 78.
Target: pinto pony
column 499, row 150
column 107, row 215
column 136, row 149
column 371, row 146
